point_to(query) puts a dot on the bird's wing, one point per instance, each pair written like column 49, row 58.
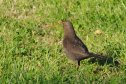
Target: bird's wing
column 78, row 48
column 81, row 44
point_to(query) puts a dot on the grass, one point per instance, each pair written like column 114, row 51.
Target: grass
column 31, row 49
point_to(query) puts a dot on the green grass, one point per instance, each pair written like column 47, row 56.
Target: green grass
column 31, row 37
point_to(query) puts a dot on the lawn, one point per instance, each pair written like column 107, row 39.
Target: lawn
column 31, row 50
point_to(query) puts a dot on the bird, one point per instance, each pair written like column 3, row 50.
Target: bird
column 73, row 46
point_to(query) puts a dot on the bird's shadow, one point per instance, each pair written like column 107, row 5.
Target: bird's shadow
column 111, row 57
column 108, row 61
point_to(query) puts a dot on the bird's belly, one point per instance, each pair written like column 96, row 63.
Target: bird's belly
column 73, row 56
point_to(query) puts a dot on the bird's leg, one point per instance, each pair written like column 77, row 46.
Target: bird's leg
column 78, row 64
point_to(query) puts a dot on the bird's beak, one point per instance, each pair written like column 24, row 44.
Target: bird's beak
column 61, row 22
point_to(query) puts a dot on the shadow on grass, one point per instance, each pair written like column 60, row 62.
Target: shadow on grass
column 108, row 61
column 113, row 51
column 112, row 62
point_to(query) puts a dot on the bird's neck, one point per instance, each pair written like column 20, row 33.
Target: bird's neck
column 69, row 33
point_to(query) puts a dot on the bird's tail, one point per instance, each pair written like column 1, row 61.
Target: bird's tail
column 104, row 59
column 97, row 56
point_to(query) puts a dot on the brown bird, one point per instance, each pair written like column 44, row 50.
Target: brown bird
column 75, row 49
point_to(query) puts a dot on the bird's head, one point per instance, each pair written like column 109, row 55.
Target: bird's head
column 68, row 28
column 66, row 23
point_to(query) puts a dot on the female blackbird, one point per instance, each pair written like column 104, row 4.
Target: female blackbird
column 75, row 49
